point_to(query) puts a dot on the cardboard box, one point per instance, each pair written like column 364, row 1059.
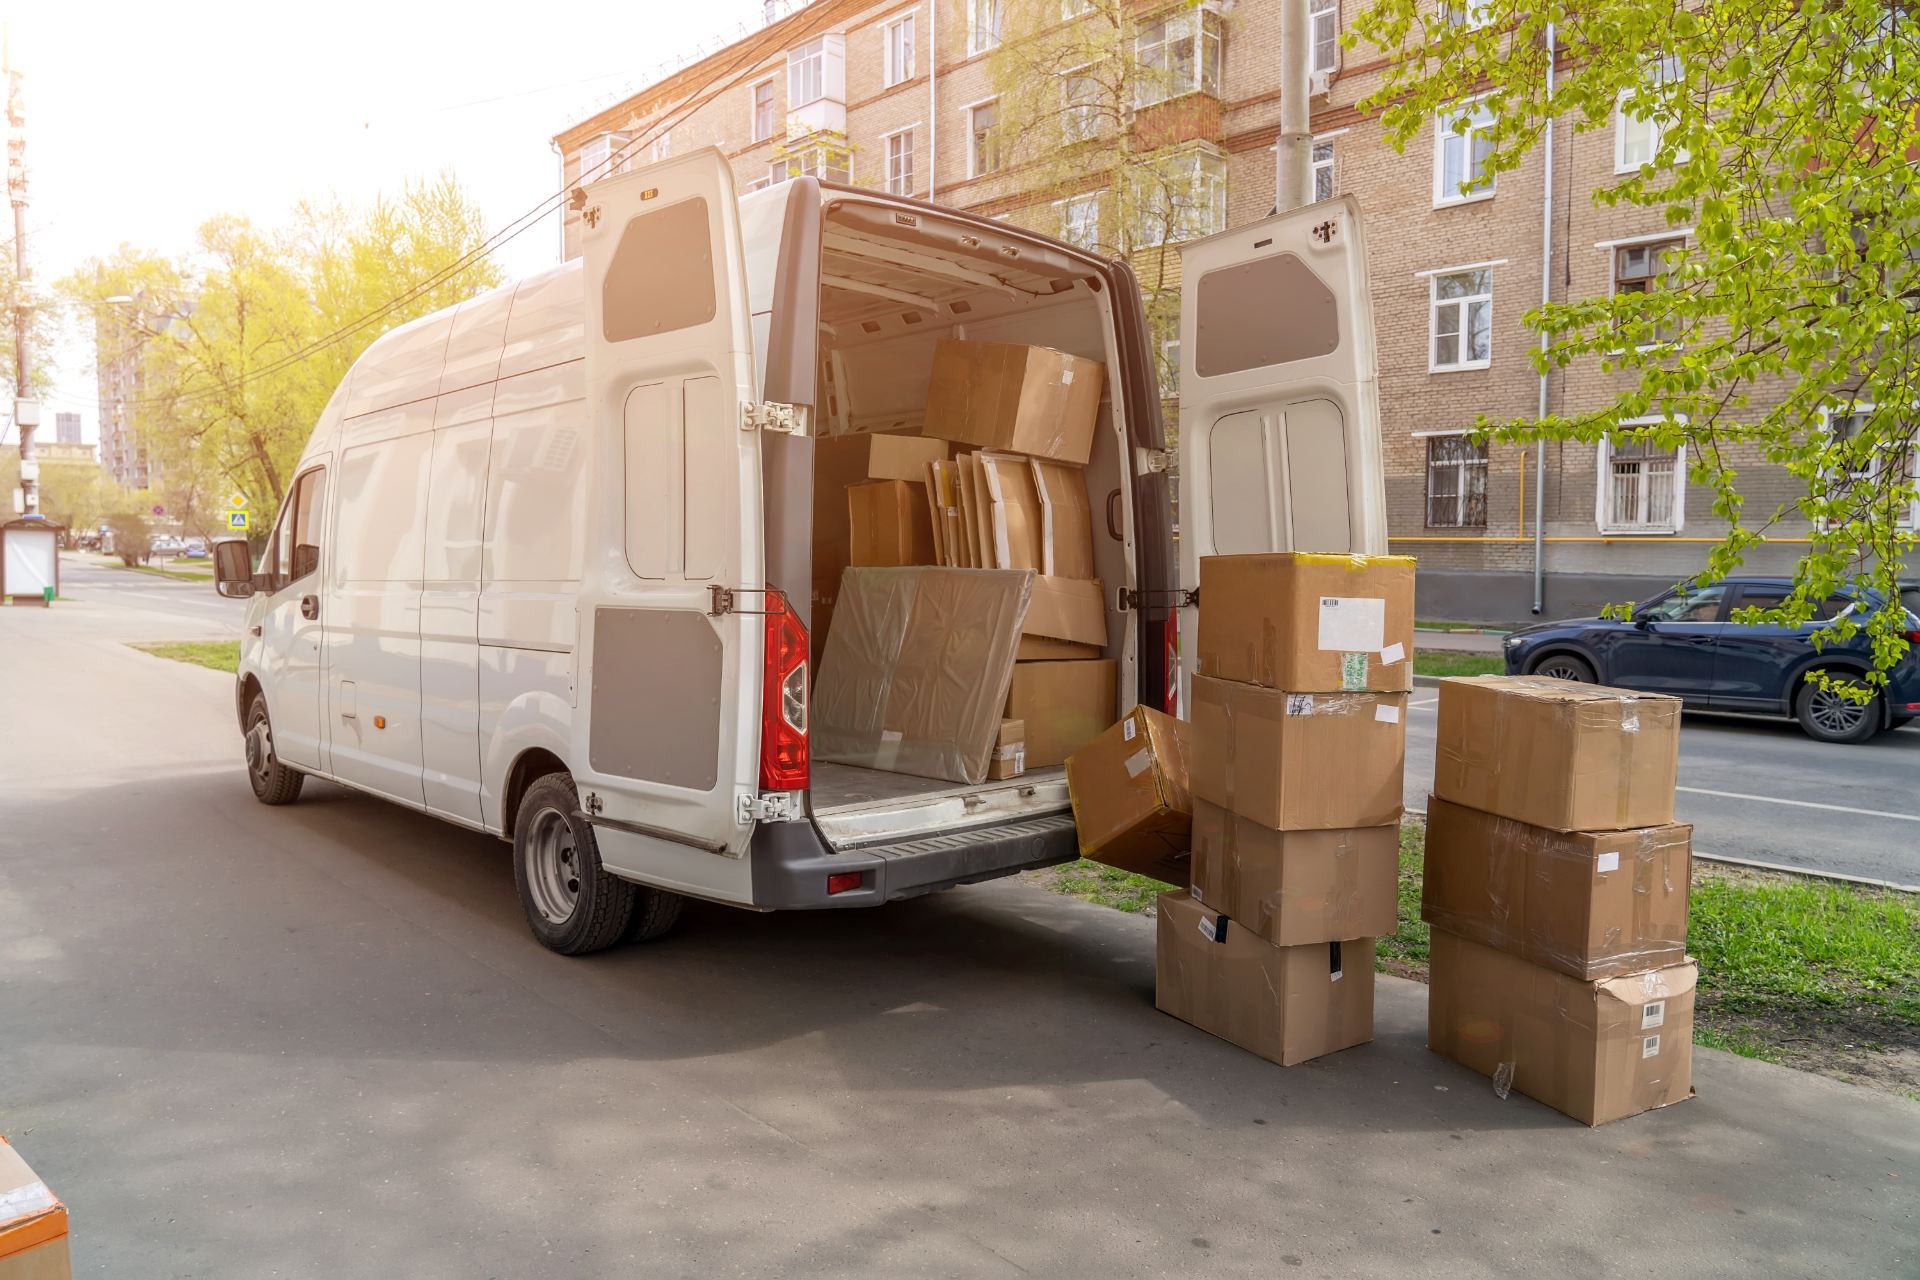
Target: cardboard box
column 1130, row 800
column 1590, row 904
column 1040, row 649
column 1287, row 1004
column 889, row 524
column 1308, row 623
column 1597, row 1051
column 33, row 1223
column 1065, row 706
column 1299, row 761
column 1569, row 757
column 1070, row 609
column 1297, row 887
column 1012, row 510
column 840, row 461
column 1066, row 520
column 1009, row 751
column 917, row 669
column 1004, row 395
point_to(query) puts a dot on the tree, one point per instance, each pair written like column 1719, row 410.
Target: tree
column 1783, row 332
column 131, row 533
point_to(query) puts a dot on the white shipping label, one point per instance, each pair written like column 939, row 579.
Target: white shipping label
column 1207, row 930
column 1066, row 377
column 1650, row 1047
column 1386, row 714
column 1606, row 862
column 1395, row 652
column 1353, row 624
column 1653, row 1014
column 1299, row 704
column 1138, row 763
column 1128, row 728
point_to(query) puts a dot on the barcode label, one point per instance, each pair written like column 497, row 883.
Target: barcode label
column 1650, row 1047
column 1127, row 730
column 1653, row 1014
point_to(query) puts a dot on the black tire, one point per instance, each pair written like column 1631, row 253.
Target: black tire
column 572, row 905
column 1565, row 666
column 655, row 913
column 273, row 782
column 1826, row 717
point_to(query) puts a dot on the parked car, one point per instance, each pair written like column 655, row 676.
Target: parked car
column 1685, row 643
column 193, row 549
column 164, row 546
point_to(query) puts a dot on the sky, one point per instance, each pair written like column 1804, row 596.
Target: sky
column 143, row 120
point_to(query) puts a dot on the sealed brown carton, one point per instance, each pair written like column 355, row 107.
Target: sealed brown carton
column 1597, row 1051
column 1009, row 751
column 1040, row 649
column 1069, row 609
column 33, row 1223
column 917, row 668
column 1569, row 757
column 1013, row 510
column 1130, row 801
column 1590, row 904
column 1299, row 761
column 1065, row 705
column 1004, row 395
column 840, row 461
column 1297, row 887
column 888, row 524
column 1308, row 623
column 1066, row 520
column 1287, row 1004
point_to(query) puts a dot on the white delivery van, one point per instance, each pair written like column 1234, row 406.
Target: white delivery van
column 544, row 567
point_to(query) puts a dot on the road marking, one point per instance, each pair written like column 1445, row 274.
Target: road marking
column 1803, row 804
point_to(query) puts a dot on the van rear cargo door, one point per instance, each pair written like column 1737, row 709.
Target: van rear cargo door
column 1279, row 393
column 670, row 683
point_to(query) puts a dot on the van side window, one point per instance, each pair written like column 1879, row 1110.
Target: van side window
column 298, row 539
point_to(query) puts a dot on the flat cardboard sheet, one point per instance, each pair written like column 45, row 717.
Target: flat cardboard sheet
column 888, row 524
column 917, row 670
column 1299, row 761
column 1297, row 887
column 33, row 1223
column 1590, row 904
column 1287, row 1004
column 1130, row 799
column 1065, row 705
column 1004, row 395
column 1066, row 520
column 972, row 520
column 1013, row 510
column 1040, row 649
column 1597, row 1051
column 1565, row 756
column 1069, row 609
column 1308, row 623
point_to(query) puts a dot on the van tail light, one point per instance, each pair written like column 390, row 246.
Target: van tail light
column 1170, row 696
column 783, row 702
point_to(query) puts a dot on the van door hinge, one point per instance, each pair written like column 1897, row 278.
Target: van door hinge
column 770, row 806
column 722, row 601
column 788, row 419
column 1128, row 598
column 1147, row 462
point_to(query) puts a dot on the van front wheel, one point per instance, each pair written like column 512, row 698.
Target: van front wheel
column 273, row 782
column 572, row 905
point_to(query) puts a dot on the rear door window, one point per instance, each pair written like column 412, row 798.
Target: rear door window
column 1702, row 604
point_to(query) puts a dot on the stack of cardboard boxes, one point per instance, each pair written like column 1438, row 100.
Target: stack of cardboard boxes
column 1556, row 885
column 1298, row 756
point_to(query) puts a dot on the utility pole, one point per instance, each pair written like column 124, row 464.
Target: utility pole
column 26, row 411
column 1293, row 150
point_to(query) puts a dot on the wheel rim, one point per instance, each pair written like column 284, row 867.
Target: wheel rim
column 1561, row 669
column 1833, row 714
column 259, row 751
column 553, row 866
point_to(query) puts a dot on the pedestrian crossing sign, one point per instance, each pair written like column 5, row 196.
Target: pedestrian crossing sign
column 237, row 520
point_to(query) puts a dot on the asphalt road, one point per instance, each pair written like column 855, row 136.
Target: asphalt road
column 318, row 1041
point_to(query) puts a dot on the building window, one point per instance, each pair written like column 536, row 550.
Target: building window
column 763, row 111
column 662, row 148
column 985, row 24
column 1464, row 13
column 1456, row 483
column 900, row 163
column 1322, row 171
column 1874, row 466
column 807, row 74
column 777, row 173
column 1080, row 219
column 1462, row 142
column 1636, row 137
column 1462, row 320
column 827, row 161
column 1181, row 197
column 1324, row 15
column 1643, row 268
column 1640, row 486
column 604, row 156
column 1071, row 9
column 983, row 138
column 898, row 41
column 1080, row 107
column 1178, row 53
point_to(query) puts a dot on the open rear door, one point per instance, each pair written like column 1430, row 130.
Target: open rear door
column 1279, row 393
column 668, row 697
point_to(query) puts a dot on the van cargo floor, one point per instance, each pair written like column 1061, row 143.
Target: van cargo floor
column 846, row 786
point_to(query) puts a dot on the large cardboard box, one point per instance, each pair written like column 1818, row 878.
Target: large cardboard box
column 1069, row 609
column 1013, row 511
column 33, row 1223
column 1066, row 520
column 1297, row 887
column 1040, row 649
column 1003, row 395
column 1590, row 904
column 889, row 524
column 840, row 461
column 1009, row 751
column 1287, row 1004
column 1598, row 1051
column 1299, row 761
column 1308, row 623
column 1130, row 800
column 1569, row 757
column 917, row 669
column 1065, row 705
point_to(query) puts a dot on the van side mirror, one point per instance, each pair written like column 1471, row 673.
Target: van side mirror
column 233, row 568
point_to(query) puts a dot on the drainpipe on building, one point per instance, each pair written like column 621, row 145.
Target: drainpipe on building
column 1546, row 296
column 933, row 98
column 1293, row 150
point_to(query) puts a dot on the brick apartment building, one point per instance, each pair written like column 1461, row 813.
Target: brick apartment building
column 120, row 377
column 899, row 94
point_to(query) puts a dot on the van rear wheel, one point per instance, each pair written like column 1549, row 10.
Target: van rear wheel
column 572, row 905
column 273, row 782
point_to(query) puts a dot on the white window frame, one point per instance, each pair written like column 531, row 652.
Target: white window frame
column 1322, row 163
column 596, row 151
column 1661, row 71
column 1443, row 133
column 1206, row 73
column 810, row 161
column 1066, row 209
column 1677, row 240
column 986, row 23
column 974, row 169
column 1210, row 169
column 1603, row 489
column 887, row 158
column 753, row 109
column 1323, row 36
column 811, row 54
column 777, row 172
column 1462, row 307
column 661, row 148
column 1470, row 14
column 1856, row 410
column 897, row 61
column 1484, row 465
column 1072, row 129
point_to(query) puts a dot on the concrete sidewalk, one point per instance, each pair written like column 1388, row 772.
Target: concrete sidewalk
column 317, row 1041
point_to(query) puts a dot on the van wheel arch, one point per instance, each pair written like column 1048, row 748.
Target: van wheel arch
column 531, row 765
column 244, row 694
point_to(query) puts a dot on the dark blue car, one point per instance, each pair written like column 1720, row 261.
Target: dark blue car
column 1684, row 643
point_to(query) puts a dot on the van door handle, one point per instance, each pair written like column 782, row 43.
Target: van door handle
column 309, row 607
column 1113, row 515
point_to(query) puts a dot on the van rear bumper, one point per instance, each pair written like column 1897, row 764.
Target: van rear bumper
column 791, row 862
